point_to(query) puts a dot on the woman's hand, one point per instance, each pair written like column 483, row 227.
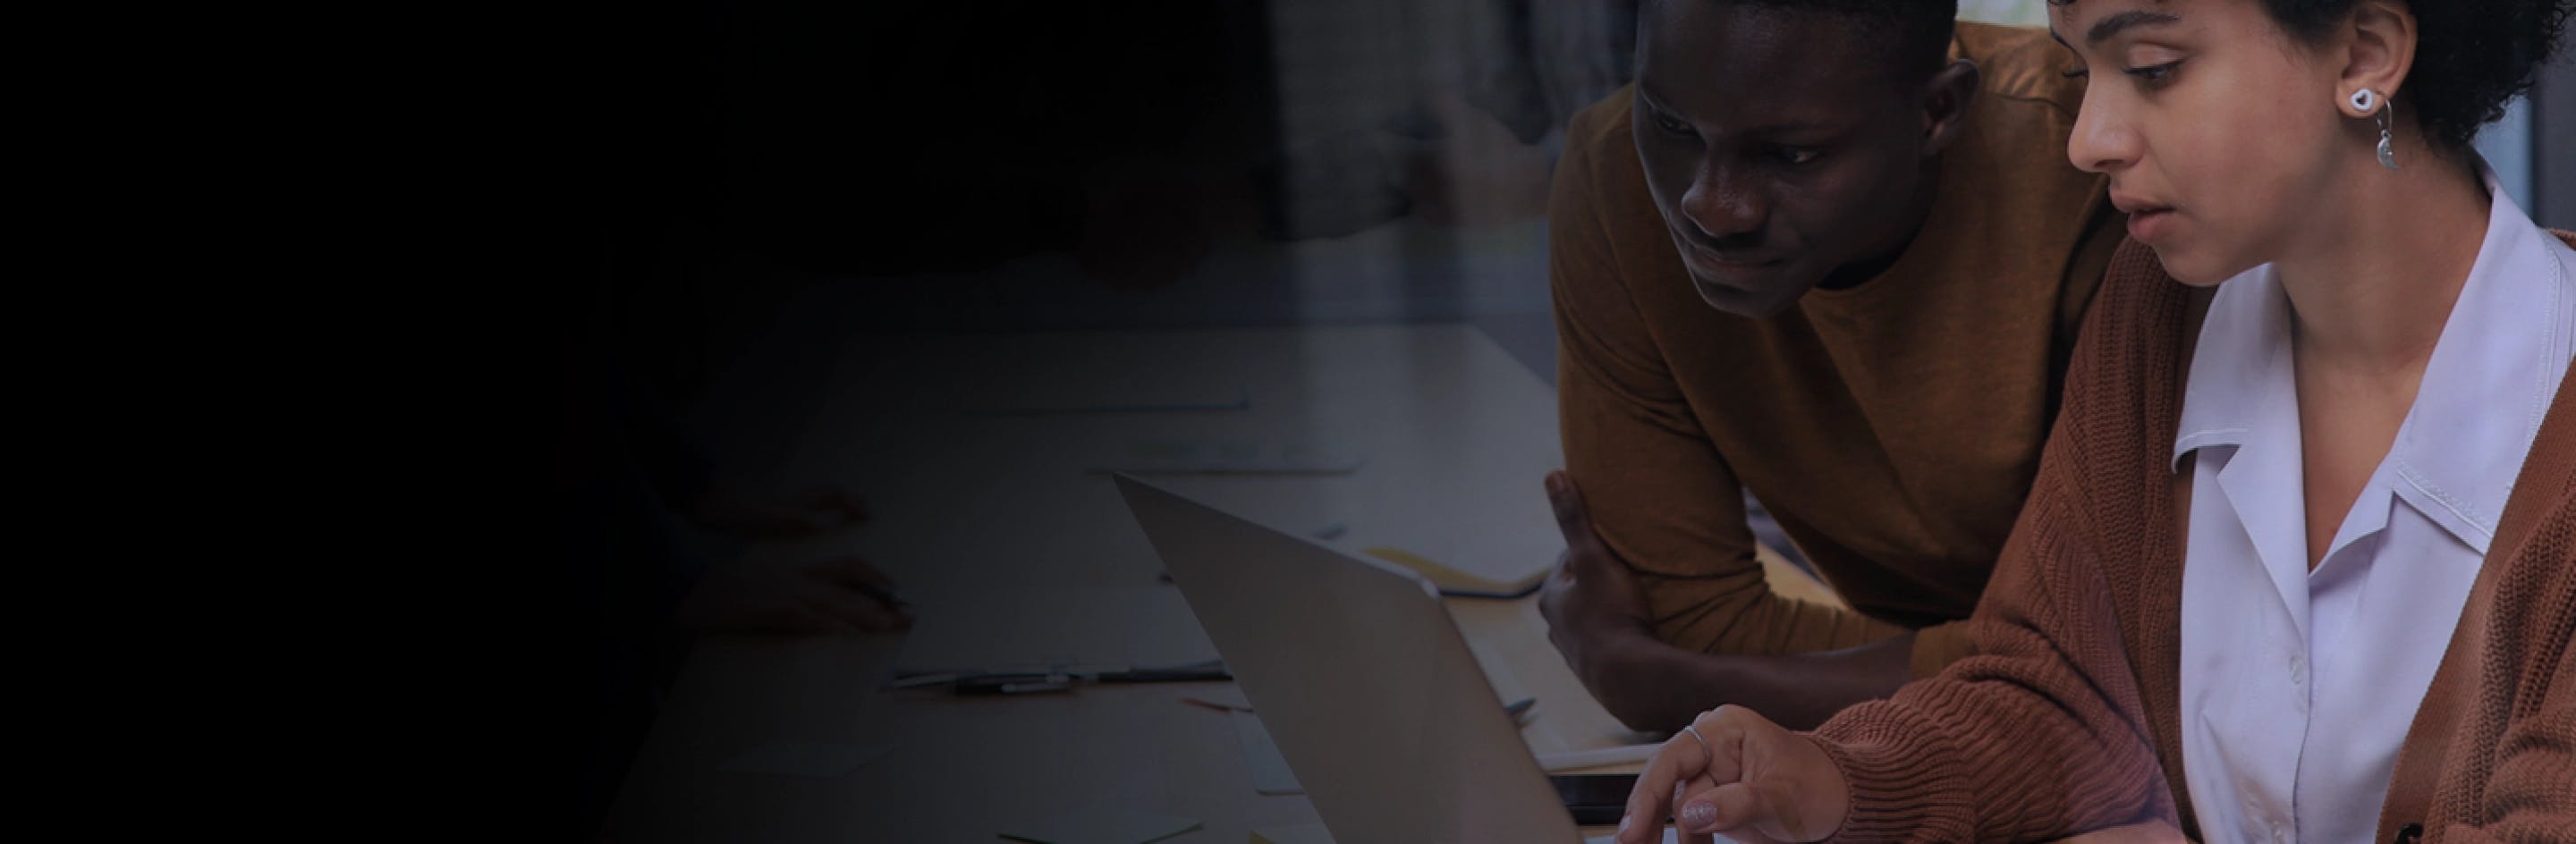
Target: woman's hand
column 1736, row 773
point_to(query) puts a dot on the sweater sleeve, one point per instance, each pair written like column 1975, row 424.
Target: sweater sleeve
column 2531, row 798
column 2519, row 786
column 2510, row 771
column 2043, row 733
column 1661, row 495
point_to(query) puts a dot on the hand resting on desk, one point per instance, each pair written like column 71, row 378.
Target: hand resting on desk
column 1754, row 781
column 1591, row 602
column 1598, row 617
column 1741, row 776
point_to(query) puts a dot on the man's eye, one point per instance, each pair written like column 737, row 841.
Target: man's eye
column 1673, row 127
column 1796, row 155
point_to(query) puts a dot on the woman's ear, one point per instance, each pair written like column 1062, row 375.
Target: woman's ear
column 1946, row 98
column 2377, row 50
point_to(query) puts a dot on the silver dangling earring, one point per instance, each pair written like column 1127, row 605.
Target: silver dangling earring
column 2366, row 101
column 2387, row 148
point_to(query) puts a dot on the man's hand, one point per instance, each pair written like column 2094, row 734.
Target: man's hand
column 1597, row 616
column 829, row 595
column 1592, row 603
column 1734, row 772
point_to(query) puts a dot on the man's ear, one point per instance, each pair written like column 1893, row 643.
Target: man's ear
column 1945, row 101
column 2378, row 50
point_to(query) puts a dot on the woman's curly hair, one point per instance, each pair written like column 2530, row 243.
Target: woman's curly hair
column 2471, row 56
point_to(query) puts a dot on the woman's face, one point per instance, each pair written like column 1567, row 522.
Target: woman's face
column 2220, row 132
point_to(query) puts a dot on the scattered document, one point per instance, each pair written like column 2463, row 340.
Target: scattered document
column 1143, row 626
column 1458, row 582
column 1059, row 387
column 1102, row 825
column 1214, row 456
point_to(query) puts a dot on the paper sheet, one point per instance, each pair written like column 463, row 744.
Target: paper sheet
column 1138, row 626
column 1224, row 456
column 1074, row 387
column 1102, row 825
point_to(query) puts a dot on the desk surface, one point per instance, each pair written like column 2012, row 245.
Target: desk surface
column 1456, row 438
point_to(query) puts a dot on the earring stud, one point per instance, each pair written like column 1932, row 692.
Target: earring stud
column 2364, row 100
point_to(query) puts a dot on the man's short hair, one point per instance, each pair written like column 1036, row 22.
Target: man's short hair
column 1918, row 29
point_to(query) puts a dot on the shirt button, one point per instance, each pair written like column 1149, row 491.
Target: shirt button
column 2298, row 668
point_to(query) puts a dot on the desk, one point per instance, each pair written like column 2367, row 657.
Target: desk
column 1455, row 434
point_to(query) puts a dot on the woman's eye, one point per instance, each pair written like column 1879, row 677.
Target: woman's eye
column 2154, row 74
column 2077, row 73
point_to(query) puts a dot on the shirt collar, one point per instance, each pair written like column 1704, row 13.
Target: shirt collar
column 2239, row 364
column 2492, row 375
column 2491, row 378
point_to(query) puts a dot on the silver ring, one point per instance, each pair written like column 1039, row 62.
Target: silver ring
column 1693, row 730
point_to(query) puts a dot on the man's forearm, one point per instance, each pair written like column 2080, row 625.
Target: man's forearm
column 1656, row 687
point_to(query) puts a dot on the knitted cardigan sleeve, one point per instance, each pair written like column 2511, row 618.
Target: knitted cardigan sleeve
column 2043, row 734
column 2510, row 771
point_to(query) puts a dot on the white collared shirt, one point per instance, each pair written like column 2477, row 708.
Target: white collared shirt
column 2299, row 686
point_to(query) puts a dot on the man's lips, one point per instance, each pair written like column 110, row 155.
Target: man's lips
column 1735, row 276
column 1726, row 261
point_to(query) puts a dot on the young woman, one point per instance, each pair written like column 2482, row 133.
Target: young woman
column 2301, row 560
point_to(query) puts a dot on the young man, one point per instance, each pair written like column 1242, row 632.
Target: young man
column 1825, row 252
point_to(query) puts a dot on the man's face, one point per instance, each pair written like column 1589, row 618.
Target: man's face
column 1779, row 144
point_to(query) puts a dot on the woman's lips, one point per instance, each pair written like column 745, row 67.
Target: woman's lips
column 2147, row 217
column 2146, row 224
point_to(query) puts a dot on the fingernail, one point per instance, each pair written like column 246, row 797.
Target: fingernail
column 1623, row 823
column 1698, row 816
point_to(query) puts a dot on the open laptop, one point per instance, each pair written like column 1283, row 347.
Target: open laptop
column 1361, row 677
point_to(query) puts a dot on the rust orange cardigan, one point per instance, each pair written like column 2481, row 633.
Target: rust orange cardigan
column 2068, row 718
